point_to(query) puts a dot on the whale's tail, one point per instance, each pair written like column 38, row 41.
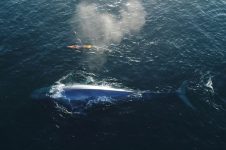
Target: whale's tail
column 181, row 93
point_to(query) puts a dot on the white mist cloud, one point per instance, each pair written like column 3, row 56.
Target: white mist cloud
column 103, row 28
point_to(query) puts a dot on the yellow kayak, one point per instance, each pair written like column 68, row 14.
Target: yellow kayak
column 88, row 46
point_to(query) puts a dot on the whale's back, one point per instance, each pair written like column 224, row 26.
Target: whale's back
column 81, row 92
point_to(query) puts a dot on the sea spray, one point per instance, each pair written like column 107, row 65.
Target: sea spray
column 104, row 28
column 105, row 23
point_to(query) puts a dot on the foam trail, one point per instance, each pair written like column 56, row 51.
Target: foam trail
column 104, row 28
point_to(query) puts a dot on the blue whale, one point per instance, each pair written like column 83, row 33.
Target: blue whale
column 79, row 96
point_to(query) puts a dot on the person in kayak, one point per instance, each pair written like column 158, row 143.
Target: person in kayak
column 80, row 45
column 87, row 46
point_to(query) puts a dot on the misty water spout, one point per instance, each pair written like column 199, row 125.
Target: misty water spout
column 104, row 28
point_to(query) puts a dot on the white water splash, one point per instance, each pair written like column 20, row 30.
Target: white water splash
column 209, row 84
column 57, row 90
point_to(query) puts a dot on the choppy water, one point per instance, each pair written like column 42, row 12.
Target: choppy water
column 181, row 40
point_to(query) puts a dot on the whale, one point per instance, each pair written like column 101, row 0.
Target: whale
column 79, row 96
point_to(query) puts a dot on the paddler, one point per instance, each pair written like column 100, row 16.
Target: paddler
column 88, row 46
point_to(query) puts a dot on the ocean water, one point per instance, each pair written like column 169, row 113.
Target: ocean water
column 179, row 41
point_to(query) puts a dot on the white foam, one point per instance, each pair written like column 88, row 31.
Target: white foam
column 56, row 91
column 209, row 84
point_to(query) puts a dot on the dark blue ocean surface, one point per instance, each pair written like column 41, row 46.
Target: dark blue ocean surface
column 180, row 41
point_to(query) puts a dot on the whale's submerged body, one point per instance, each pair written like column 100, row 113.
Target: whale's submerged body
column 77, row 96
